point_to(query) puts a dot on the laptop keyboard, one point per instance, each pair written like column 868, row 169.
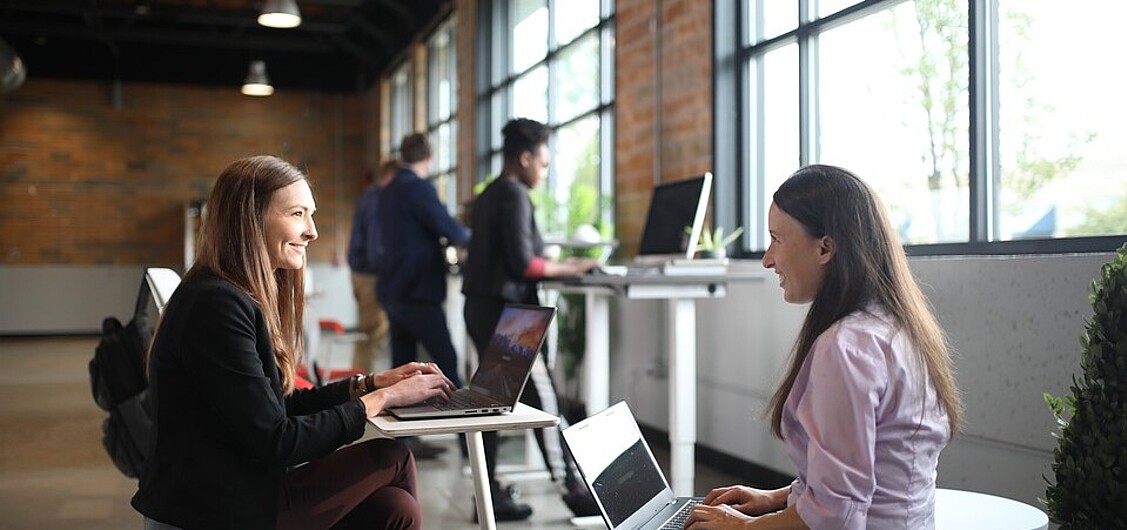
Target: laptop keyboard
column 677, row 522
column 458, row 401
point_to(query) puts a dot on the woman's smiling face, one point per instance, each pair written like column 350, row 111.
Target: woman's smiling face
column 799, row 258
column 289, row 225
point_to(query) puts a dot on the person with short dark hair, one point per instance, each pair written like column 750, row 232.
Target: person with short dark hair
column 505, row 264
column 869, row 399
column 234, row 443
column 415, row 228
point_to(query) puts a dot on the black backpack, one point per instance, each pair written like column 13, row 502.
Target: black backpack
column 120, row 387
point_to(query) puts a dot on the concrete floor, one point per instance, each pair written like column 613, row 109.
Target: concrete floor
column 54, row 473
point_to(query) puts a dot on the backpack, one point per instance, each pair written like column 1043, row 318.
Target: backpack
column 120, row 387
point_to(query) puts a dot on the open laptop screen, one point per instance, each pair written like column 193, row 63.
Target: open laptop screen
column 512, row 350
column 618, row 466
column 673, row 207
column 628, row 483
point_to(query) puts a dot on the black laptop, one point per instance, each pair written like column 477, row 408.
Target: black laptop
column 505, row 366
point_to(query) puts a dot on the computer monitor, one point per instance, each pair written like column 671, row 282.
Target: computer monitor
column 673, row 207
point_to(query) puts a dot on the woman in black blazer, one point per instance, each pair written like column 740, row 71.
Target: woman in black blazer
column 233, row 444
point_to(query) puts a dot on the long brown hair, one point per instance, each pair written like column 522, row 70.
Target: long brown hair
column 868, row 265
column 233, row 247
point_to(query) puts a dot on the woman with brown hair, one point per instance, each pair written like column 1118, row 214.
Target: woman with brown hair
column 233, row 444
column 869, row 399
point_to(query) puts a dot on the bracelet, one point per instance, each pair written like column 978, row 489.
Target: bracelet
column 359, row 385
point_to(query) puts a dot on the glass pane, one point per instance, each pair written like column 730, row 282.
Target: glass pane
column 899, row 118
column 442, row 148
column 442, row 77
column 770, row 18
column 829, row 7
column 575, row 18
column 401, row 124
column 528, row 33
column 446, row 186
column 776, row 145
column 498, row 117
column 530, row 96
column 1061, row 120
column 577, row 76
column 573, row 187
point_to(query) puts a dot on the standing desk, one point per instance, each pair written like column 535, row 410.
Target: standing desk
column 522, row 417
column 679, row 294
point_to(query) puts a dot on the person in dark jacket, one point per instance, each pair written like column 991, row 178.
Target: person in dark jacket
column 505, row 264
column 233, row 444
column 416, row 226
column 365, row 253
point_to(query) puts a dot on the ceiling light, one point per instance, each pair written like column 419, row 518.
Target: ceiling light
column 280, row 14
column 257, row 83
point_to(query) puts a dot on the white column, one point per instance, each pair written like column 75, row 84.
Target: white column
column 596, row 361
column 681, row 326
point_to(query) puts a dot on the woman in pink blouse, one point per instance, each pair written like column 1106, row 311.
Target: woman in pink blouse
column 869, row 398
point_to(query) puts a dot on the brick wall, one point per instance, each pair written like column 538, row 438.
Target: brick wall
column 86, row 183
column 663, row 105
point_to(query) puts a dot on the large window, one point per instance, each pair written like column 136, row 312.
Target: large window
column 442, row 106
column 551, row 61
column 979, row 123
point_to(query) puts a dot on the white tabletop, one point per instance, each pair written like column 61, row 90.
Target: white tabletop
column 522, row 417
column 958, row 510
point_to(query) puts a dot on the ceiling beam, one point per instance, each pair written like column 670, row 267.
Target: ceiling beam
column 158, row 14
column 173, row 37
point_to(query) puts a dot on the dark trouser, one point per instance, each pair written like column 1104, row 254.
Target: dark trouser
column 366, row 485
column 413, row 323
column 482, row 315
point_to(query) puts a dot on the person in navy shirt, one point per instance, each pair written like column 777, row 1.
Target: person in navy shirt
column 415, row 228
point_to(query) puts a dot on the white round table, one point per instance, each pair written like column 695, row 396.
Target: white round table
column 962, row 510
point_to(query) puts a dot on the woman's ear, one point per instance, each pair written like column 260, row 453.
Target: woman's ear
column 826, row 250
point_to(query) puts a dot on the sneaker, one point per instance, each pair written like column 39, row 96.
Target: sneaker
column 423, row 450
column 505, row 506
column 580, row 501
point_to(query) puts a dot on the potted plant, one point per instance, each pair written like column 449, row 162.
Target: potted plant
column 714, row 243
column 1090, row 461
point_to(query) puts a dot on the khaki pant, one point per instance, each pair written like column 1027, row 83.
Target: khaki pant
column 373, row 322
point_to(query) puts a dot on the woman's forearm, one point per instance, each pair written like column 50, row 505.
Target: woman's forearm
column 786, row 519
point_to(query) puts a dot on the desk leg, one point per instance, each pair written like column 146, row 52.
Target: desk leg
column 480, row 481
column 596, row 362
column 681, row 319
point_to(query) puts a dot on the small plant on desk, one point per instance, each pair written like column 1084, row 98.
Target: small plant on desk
column 714, row 243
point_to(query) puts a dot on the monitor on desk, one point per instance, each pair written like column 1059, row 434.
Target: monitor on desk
column 673, row 207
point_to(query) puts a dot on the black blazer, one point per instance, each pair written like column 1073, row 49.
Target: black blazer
column 506, row 239
column 223, row 434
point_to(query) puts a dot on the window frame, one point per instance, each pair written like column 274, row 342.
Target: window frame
column 737, row 195
column 495, row 82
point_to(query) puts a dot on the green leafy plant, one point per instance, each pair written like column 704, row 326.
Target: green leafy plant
column 1090, row 461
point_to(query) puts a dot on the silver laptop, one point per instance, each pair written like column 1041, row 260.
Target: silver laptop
column 503, row 372
column 619, row 469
